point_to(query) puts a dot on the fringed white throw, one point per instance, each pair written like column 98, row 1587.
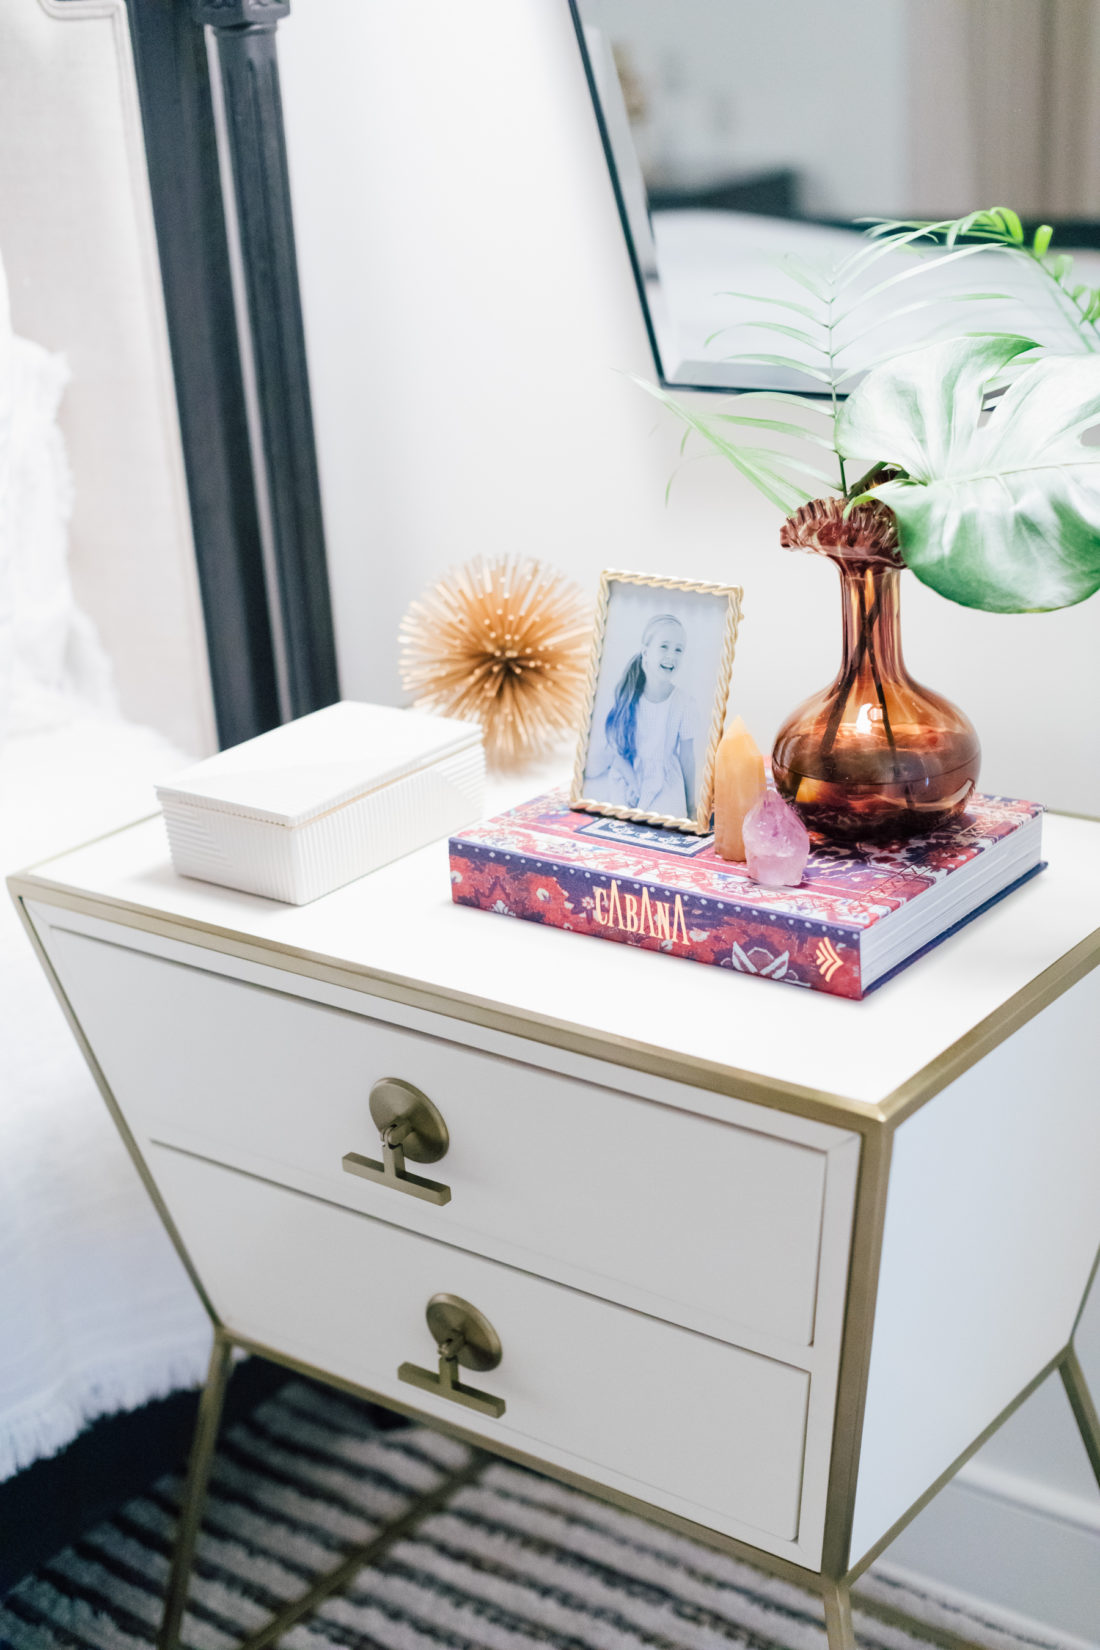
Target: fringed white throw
column 97, row 1312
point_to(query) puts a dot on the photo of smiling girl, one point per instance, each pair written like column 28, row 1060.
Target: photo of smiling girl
column 649, row 746
column 661, row 660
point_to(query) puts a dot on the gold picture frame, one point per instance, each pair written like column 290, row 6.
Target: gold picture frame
column 614, row 623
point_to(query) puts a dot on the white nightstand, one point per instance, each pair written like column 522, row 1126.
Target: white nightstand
column 763, row 1264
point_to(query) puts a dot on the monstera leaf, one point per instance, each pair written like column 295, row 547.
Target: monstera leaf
column 1001, row 513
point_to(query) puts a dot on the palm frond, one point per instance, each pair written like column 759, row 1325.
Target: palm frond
column 924, row 267
column 797, row 333
column 779, row 425
column 767, row 469
column 1000, row 226
column 806, row 275
column 784, row 303
column 922, row 303
column 788, row 361
column 790, row 397
column 826, row 327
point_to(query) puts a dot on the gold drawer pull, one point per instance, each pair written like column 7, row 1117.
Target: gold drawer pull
column 464, row 1336
column 411, row 1127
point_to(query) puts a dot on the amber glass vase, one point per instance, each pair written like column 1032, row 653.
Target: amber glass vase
column 876, row 754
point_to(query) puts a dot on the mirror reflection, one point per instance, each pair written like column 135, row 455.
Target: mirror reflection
column 744, row 139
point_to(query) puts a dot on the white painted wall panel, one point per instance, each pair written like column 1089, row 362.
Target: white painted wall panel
column 470, row 314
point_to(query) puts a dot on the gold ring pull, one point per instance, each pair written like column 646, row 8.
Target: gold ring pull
column 463, row 1335
column 410, row 1127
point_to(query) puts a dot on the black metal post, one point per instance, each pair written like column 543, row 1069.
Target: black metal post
column 181, row 152
column 245, row 32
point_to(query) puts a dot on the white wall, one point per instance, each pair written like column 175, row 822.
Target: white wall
column 470, row 314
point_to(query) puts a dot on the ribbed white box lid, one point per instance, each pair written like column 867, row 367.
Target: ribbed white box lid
column 308, row 807
column 320, row 762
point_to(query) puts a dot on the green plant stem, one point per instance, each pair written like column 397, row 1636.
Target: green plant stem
column 1089, row 330
column 1085, row 327
column 832, row 386
column 870, row 478
column 840, row 461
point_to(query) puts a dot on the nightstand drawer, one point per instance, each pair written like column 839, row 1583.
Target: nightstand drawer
column 711, row 1225
column 668, row 1416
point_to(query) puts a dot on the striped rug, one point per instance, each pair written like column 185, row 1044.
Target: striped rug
column 498, row 1559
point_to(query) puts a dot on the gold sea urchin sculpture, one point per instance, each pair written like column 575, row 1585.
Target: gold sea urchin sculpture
column 504, row 642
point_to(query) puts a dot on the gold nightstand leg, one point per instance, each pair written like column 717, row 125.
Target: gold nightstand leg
column 194, row 1493
column 1083, row 1406
column 838, row 1615
column 194, row 1501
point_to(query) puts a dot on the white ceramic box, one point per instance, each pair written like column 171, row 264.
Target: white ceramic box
column 314, row 804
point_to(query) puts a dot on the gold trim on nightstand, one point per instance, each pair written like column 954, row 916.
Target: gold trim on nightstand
column 334, row 1580
column 116, row 1115
column 1083, row 1406
column 835, row 1590
column 875, row 1123
column 865, row 1560
column 784, row 1567
column 855, row 1353
column 821, row 1105
column 995, row 1029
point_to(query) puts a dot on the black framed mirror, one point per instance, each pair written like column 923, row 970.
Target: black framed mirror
column 744, row 140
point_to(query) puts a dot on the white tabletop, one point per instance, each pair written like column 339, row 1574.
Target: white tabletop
column 400, row 922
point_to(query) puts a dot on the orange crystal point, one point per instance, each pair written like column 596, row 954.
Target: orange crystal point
column 738, row 785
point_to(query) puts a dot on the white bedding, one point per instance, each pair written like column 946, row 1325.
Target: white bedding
column 96, row 1311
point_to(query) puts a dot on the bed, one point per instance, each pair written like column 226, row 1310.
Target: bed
column 98, row 1314
column 104, row 687
column 97, row 1310
column 164, row 587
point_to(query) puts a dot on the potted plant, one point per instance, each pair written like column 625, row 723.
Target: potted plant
column 964, row 461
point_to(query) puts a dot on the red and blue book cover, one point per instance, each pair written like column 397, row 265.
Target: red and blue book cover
column 666, row 891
